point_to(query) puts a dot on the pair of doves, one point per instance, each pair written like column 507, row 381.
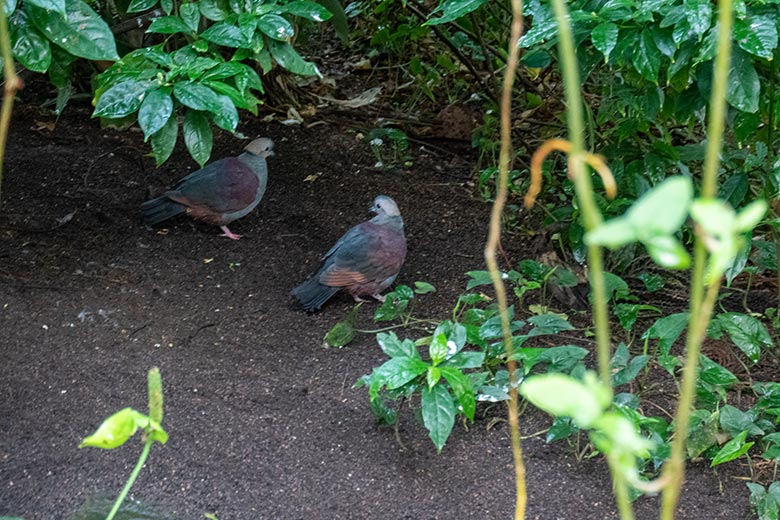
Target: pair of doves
column 364, row 262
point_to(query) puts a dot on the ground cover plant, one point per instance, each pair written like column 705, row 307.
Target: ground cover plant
column 486, row 350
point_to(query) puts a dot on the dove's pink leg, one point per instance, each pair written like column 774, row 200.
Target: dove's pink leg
column 229, row 234
column 379, row 297
column 358, row 298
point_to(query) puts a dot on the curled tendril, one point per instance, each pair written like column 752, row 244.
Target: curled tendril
column 595, row 161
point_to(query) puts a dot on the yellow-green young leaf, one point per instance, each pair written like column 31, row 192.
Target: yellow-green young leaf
column 563, row 396
column 714, row 216
column 116, row 430
column 751, row 215
column 612, row 234
column 662, row 210
column 667, row 251
column 155, row 432
column 433, row 376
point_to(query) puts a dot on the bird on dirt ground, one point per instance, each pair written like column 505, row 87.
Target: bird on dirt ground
column 364, row 262
column 219, row 193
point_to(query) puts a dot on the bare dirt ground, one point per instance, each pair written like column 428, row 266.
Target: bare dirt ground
column 263, row 421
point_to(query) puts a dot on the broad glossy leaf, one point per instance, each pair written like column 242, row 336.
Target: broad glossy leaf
column 223, row 33
column 646, row 57
column 453, row 9
column 702, row 432
column 136, row 6
column 698, row 13
column 733, row 449
column 438, row 411
column 29, row 46
column 246, row 101
column 122, row 99
column 196, row 96
column 423, row 288
column 81, row 32
column 156, row 109
column 733, row 421
column 197, row 136
column 309, row 10
column 226, row 116
column 394, row 347
column 743, row 85
column 116, row 430
column 190, row 14
column 548, row 324
column 169, row 25
column 287, row 57
column 466, row 359
column 164, row 140
column 757, row 35
column 276, row 27
column 747, row 333
column 462, row 388
column 57, row 6
column 395, row 373
column 629, row 373
column 605, row 36
column 214, row 10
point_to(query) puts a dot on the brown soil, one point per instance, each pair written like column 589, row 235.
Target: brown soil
column 263, row 421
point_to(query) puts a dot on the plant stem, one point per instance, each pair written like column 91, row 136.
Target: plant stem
column 700, row 310
column 621, row 492
column 584, row 187
column 12, row 84
column 131, row 480
column 491, row 247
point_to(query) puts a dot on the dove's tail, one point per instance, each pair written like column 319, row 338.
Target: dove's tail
column 160, row 209
column 311, row 294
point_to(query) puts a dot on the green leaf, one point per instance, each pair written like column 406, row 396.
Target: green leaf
column 395, row 373
column 246, row 101
column 190, row 14
column 757, row 35
column 605, row 36
column 702, row 432
column 733, row 449
column 309, row 10
column 214, row 10
column 561, row 395
column 423, row 288
column 197, row 136
column 629, row 373
column 744, row 85
column 698, row 14
column 122, row 99
column 29, row 46
column 438, row 348
column 613, row 233
column 116, row 430
column 276, row 27
column 197, row 96
column 747, row 333
column 438, row 411
column 733, row 421
column 646, row 57
column 155, row 110
column 453, row 9
column 164, row 140
column 667, row 330
column 394, row 347
column 136, row 6
column 433, row 376
column 58, row 6
column 169, row 25
column 464, row 359
column 341, row 334
column 462, row 388
column 223, row 33
column 81, row 32
column 287, row 57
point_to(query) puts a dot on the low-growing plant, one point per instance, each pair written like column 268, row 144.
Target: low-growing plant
column 117, row 430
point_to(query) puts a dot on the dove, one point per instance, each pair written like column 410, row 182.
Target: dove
column 219, row 193
column 364, row 262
